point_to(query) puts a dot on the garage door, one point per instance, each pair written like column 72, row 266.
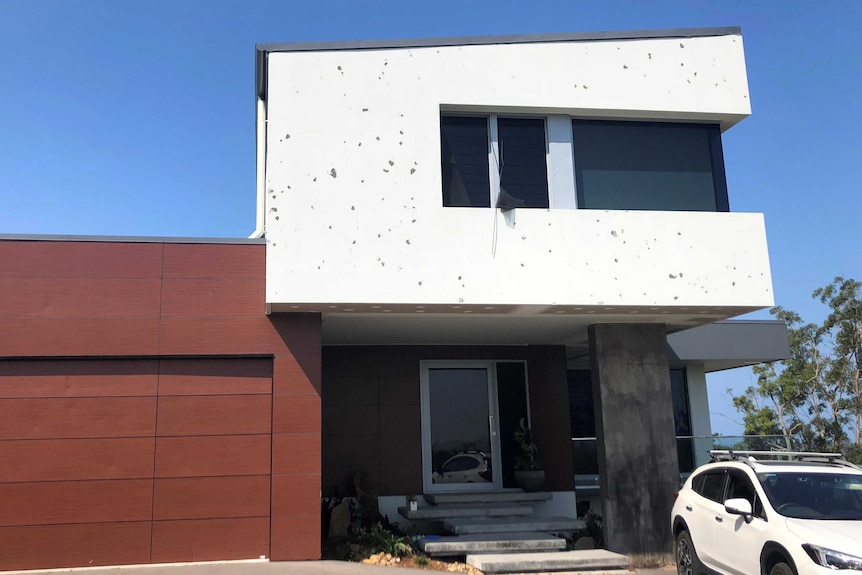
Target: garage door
column 134, row 461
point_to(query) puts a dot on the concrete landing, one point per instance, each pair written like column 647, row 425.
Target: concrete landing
column 447, row 510
column 490, row 543
column 468, row 525
column 487, row 497
column 591, row 560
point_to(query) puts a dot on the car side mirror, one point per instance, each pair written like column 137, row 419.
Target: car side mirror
column 739, row 507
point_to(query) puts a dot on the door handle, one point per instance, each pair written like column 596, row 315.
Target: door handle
column 688, row 507
column 719, row 518
column 491, row 433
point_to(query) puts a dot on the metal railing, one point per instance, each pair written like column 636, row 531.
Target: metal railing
column 692, row 451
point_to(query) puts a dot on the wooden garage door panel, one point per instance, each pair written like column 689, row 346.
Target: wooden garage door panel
column 81, row 545
column 213, row 456
column 76, row 459
column 215, row 415
column 210, row 539
column 212, row 497
column 48, row 503
column 215, row 376
column 78, row 378
column 77, row 418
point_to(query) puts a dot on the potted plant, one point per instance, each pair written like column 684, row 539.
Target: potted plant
column 529, row 474
column 412, row 503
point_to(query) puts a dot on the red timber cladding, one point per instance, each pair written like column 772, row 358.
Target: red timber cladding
column 139, row 445
column 371, row 412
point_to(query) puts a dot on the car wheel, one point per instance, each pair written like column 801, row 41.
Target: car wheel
column 782, row 568
column 687, row 562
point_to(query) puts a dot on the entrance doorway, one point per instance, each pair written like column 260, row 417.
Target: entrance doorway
column 470, row 411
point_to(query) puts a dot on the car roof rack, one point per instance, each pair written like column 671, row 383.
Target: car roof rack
column 749, row 457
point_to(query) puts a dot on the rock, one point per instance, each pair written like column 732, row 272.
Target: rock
column 585, row 543
column 339, row 520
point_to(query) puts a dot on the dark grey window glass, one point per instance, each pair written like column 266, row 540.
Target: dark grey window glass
column 682, row 420
column 523, row 166
column 713, row 486
column 464, row 161
column 649, row 166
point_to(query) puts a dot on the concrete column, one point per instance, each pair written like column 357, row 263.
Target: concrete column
column 638, row 467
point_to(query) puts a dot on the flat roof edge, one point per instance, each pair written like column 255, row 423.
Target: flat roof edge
column 128, row 239
column 498, row 39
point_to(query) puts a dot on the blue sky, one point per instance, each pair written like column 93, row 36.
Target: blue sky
column 136, row 117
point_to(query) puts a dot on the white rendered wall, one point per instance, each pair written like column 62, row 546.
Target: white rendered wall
column 353, row 204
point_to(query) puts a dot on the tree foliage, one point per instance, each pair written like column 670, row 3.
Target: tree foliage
column 814, row 397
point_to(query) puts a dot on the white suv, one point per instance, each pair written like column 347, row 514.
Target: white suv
column 745, row 514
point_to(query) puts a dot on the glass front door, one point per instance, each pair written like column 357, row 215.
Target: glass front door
column 460, row 437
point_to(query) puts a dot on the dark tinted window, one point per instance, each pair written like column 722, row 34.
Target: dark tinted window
column 740, row 487
column 523, row 170
column 649, row 166
column 697, row 482
column 464, row 161
column 713, row 486
column 461, row 464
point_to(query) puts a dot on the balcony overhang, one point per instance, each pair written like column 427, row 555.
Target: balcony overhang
column 729, row 344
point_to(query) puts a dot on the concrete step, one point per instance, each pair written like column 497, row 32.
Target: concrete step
column 591, row 560
column 468, row 525
column 490, row 543
column 487, row 497
column 466, row 510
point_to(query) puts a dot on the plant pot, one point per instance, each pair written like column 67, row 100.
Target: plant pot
column 530, row 480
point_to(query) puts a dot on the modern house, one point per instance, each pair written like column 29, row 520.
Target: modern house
column 453, row 235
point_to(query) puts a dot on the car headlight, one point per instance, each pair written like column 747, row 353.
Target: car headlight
column 833, row 559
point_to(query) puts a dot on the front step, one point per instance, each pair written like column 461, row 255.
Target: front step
column 592, row 560
column 468, row 525
column 448, row 510
column 490, row 543
column 487, row 497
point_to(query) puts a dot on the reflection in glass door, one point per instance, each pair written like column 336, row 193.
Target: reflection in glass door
column 459, row 428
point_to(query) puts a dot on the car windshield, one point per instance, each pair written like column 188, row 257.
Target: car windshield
column 807, row 495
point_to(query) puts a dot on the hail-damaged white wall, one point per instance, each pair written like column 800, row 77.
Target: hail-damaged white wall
column 353, row 204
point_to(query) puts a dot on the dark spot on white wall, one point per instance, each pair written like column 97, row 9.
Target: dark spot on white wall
column 276, row 218
column 391, row 163
column 412, row 171
column 420, row 283
column 385, row 170
column 364, row 109
column 613, row 232
column 353, row 208
column 273, row 209
column 649, row 55
column 681, row 45
column 407, row 242
column 586, row 87
column 287, row 136
column 671, row 276
column 616, row 261
column 625, row 67
column 333, row 173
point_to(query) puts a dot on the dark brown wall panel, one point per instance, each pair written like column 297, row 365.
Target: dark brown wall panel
column 221, row 261
column 215, row 415
column 78, row 378
column 213, row 456
column 47, row 503
column 69, row 418
column 297, row 374
column 76, row 459
column 40, row 259
column 216, row 335
column 213, row 376
column 343, row 456
column 211, row 539
column 212, row 497
column 295, row 453
column 80, row 545
column 213, row 296
column 79, row 297
column 296, row 537
column 38, row 336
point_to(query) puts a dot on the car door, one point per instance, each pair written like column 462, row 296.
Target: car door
column 737, row 542
column 709, row 487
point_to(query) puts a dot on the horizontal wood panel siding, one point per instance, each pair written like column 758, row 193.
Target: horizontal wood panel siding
column 80, row 297
column 212, row 497
column 75, row 545
column 76, row 459
column 78, row 378
column 213, row 456
column 213, row 376
column 69, row 418
column 211, row 539
column 47, row 503
column 215, row 415
column 35, row 259
column 208, row 296
column 79, row 336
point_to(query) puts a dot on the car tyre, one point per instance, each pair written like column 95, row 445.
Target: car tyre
column 781, row 568
column 687, row 562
